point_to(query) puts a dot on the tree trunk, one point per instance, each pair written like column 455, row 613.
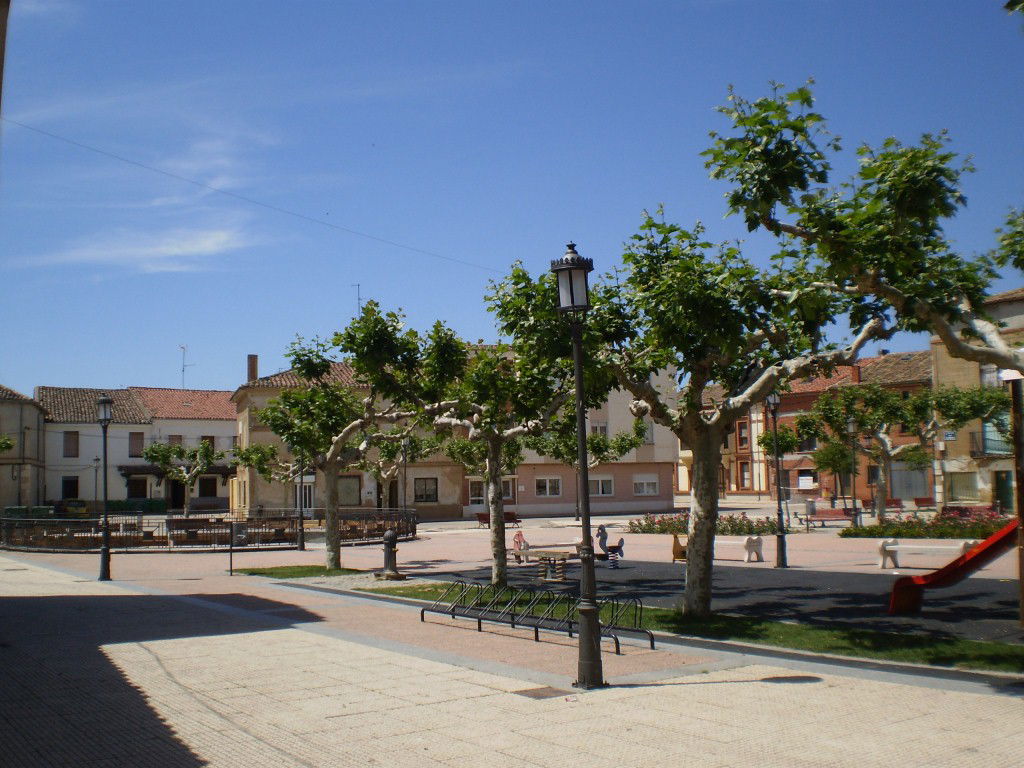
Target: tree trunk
column 496, row 509
column 332, row 528
column 186, row 497
column 700, row 551
column 882, row 487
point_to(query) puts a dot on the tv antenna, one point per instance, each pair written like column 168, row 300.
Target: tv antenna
column 184, row 365
column 359, row 299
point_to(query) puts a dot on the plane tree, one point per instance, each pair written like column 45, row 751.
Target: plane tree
column 883, row 419
column 183, row 464
column 878, row 235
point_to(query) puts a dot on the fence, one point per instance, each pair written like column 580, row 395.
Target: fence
column 197, row 531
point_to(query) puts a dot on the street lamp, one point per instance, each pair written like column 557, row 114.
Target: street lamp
column 104, row 415
column 301, row 534
column 96, row 483
column 772, row 401
column 851, row 428
column 574, row 301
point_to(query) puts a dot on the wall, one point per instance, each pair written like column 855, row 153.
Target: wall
column 21, row 468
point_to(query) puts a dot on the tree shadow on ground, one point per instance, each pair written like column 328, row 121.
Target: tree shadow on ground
column 62, row 702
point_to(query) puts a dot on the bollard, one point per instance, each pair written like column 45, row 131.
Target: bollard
column 390, row 572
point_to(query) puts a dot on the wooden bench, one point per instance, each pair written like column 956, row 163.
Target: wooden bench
column 483, row 520
column 828, row 515
column 889, row 549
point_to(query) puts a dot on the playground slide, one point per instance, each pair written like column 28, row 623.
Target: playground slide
column 908, row 591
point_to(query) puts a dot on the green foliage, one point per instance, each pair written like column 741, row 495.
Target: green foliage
column 940, row 527
column 262, row 458
column 834, row 456
column 560, row 441
column 6, row 443
column 180, row 463
column 472, row 454
column 788, row 440
column 879, row 234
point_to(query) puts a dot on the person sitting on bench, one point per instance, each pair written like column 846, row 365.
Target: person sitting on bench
column 610, row 553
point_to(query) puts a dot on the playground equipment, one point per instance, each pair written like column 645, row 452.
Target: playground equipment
column 908, row 591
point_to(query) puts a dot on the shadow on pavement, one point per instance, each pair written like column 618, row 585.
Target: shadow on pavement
column 62, row 702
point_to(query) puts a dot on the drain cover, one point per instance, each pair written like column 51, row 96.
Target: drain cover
column 545, row 692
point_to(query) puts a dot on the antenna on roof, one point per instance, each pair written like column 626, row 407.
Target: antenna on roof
column 184, row 365
column 359, row 299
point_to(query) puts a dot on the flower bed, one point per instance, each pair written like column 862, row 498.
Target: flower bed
column 950, row 523
column 728, row 525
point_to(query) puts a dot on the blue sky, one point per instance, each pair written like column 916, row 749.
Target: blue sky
column 479, row 132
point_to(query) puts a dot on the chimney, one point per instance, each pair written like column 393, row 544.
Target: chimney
column 854, row 373
column 252, row 368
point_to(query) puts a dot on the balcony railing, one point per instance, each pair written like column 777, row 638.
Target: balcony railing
column 983, row 444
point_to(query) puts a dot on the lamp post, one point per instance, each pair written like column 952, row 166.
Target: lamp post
column 851, row 427
column 96, row 483
column 104, row 415
column 772, row 401
column 302, row 515
column 573, row 301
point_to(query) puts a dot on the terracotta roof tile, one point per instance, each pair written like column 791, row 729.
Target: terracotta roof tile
column 898, row 368
column 1016, row 294
column 6, row 393
column 163, row 403
column 340, row 373
column 75, row 405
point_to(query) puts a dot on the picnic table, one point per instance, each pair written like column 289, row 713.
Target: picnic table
column 551, row 562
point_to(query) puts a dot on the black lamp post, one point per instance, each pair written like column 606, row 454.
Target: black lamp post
column 301, row 543
column 772, row 401
column 851, row 427
column 104, row 415
column 574, row 301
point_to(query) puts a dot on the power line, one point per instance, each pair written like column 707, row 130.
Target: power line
column 246, row 199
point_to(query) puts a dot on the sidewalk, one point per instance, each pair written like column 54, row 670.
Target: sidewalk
column 185, row 666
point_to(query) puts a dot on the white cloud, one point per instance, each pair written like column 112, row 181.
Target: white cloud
column 176, row 250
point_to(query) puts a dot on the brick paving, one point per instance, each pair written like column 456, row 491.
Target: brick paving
column 182, row 665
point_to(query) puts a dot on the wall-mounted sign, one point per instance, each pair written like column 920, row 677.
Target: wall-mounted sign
column 949, row 435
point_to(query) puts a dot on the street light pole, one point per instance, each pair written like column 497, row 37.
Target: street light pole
column 851, row 427
column 573, row 300
column 302, row 514
column 105, row 414
column 96, row 483
column 781, row 561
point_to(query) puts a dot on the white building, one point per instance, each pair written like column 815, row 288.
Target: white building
column 142, row 415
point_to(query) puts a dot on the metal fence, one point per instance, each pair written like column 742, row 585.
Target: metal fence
column 273, row 529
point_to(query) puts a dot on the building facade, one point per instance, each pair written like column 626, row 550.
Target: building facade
column 975, row 464
column 21, row 468
column 142, row 416
column 440, row 489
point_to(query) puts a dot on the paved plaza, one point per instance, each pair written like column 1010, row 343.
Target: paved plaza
column 176, row 663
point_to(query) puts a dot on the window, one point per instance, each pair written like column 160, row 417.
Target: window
column 549, row 486
column 209, row 439
column 174, row 439
column 645, row 485
column 990, row 375
column 744, row 474
column 806, row 479
column 136, row 442
column 743, row 435
column 71, row 447
column 599, row 428
column 961, row 486
column 807, row 444
column 648, row 432
column 602, row 486
column 304, row 488
column 69, row 485
column 234, row 441
column 478, row 491
column 872, row 474
column 424, row 490
column 137, row 487
column 207, row 487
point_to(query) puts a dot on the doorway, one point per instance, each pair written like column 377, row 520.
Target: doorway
column 1003, row 482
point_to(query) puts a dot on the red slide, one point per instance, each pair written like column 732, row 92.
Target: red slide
column 908, row 591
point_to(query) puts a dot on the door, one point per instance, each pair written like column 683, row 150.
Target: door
column 1004, row 490
column 393, row 501
column 177, row 494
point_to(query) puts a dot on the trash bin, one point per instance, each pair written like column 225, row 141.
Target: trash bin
column 809, row 507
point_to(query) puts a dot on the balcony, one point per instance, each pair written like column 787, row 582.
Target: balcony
column 986, row 444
